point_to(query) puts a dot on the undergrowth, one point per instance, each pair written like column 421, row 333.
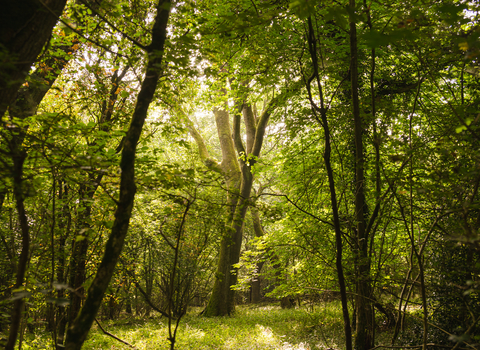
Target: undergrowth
column 261, row 326
column 252, row 327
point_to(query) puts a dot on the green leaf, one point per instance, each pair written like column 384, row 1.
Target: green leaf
column 108, row 224
column 452, row 13
column 302, row 8
column 20, row 295
column 376, row 39
column 59, row 301
column 461, row 128
column 79, row 238
column 338, row 14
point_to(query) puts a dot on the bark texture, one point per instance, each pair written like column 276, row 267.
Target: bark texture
column 25, row 27
column 222, row 299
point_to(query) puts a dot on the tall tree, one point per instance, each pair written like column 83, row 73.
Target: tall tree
column 236, row 169
column 365, row 322
column 78, row 331
column 320, row 113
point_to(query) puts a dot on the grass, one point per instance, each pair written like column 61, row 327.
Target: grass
column 252, row 327
column 264, row 326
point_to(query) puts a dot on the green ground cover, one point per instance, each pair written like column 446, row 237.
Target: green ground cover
column 252, row 327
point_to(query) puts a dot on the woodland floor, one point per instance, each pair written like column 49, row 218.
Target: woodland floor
column 252, row 327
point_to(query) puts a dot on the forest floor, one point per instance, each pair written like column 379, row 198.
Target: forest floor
column 253, row 327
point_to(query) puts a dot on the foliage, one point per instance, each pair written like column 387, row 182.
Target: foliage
column 418, row 131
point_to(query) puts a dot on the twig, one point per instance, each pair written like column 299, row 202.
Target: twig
column 114, row 336
column 149, row 301
column 296, row 206
column 82, row 35
column 125, row 35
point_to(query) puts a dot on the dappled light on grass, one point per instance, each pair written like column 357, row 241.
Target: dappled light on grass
column 194, row 332
column 261, row 337
column 253, row 327
column 265, row 332
column 268, row 339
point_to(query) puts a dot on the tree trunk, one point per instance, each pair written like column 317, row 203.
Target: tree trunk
column 18, row 157
column 78, row 331
column 25, row 27
column 321, row 116
column 222, row 300
column 256, row 289
column 256, row 286
column 235, row 168
column 365, row 324
column 64, row 225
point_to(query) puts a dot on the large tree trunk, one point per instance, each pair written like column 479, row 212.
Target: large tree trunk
column 222, row 300
column 25, row 27
column 78, row 331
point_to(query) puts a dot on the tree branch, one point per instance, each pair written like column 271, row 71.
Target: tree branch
column 208, row 161
column 126, row 36
column 296, row 206
column 114, row 336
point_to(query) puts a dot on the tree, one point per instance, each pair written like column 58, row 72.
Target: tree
column 78, row 331
column 26, row 27
column 370, row 115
